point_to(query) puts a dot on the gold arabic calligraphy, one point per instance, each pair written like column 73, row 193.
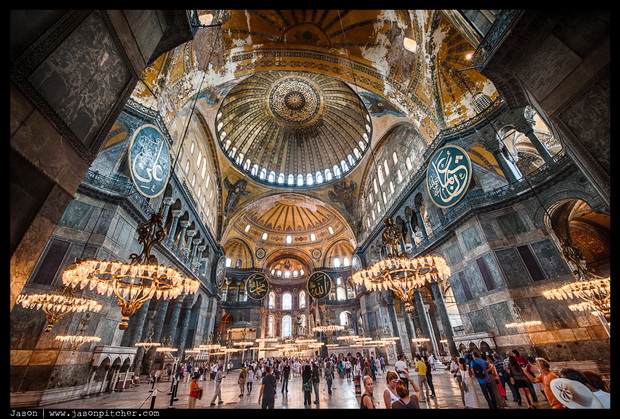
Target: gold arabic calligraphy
column 319, row 285
column 450, row 178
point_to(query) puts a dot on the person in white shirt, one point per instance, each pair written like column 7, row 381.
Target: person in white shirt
column 402, row 369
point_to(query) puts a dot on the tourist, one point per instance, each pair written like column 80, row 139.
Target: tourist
column 402, row 369
column 523, row 362
column 544, row 378
column 405, row 401
column 516, row 396
column 316, row 378
column 454, row 369
column 217, row 393
column 347, row 368
column 576, row 375
column 420, row 368
column 470, row 395
column 306, row 384
column 389, row 394
column 328, row 373
column 242, row 379
column 598, row 387
column 357, row 372
column 286, row 372
column 429, row 375
column 195, row 392
column 534, row 371
column 382, row 364
column 367, row 401
column 499, row 394
column 516, row 373
column 267, row 390
column 249, row 381
column 432, row 361
column 573, row 394
column 484, row 381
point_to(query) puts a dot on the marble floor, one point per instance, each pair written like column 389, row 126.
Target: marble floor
column 342, row 397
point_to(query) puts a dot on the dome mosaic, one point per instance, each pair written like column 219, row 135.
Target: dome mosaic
column 293, row 129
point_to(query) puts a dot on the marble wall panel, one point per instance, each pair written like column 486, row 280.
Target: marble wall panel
column 513, row 267
column 510, row 224
column 474, row 279
column 502, row 314
column 494, row 270
column 82, row 78
column 457, row 289
column 554, row 313
column 550, row 259
column 470, row 238
column 480, row 321
column 77, row 215
column 453, row 254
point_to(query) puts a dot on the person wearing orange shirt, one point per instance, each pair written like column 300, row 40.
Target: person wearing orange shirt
column 545, row 378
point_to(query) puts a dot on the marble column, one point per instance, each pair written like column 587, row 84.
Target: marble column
column 494, row 147
column 181, row 243
column 158, row 326
column 192, row 258
column 408, row 216
column 166, row 208
column 426, row 331
column 198, row 258
column 186, row 311
column 173, row 327
column 173, row 227
column 189, row 243
column 136, row 324
column 443, row 316
column 527, row 127
column 421, row 224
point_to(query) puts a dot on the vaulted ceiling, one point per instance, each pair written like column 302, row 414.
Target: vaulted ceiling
column 304, row 95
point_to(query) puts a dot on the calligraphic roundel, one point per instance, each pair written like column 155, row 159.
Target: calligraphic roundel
column 256, row 286
column 319, row 285
column 149, row 161
column 448, row 176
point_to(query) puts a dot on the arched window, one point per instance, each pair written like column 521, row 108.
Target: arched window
column 336, row 263
column 380, row 175
column 302, row 299
column 272, row 177
column 351, row 159
column 387, row 169
column 319, row 177
column 263, row 173
column 287, row 301
column 270, row 326
column 395, row 157
column 408, row 163
column 291, row 179
column 344, row 319
column 254, row 171
column 328, row 175
column 340, row 294
column 309, row 179
column 300, row 180
column 272, row 300
column 281, row 178
column 287, row 328
column 336, row 170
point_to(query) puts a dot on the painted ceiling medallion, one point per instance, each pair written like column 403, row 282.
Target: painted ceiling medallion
column 293, row 129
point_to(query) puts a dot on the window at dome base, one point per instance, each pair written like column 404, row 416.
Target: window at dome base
column 295, row 129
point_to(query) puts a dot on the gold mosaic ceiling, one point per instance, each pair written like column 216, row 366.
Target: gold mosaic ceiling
column 293, row 128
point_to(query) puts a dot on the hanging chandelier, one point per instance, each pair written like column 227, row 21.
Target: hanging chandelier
column 398, row 273
column 595, row 291
column 148, row 344
column 57, row 305
column 135, row 282
column 328, row 328
column 80, row 338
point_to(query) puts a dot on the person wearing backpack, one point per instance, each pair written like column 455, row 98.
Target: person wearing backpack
column 480, row 368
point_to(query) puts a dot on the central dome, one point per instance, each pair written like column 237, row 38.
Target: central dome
column 294, row 129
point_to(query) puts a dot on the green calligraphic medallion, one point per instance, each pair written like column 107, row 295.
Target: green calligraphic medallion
column 149, row 161
column 256, row 286
column 319, row 285
column 448, row 176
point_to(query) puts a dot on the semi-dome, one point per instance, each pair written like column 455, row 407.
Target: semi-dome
column 293, row 129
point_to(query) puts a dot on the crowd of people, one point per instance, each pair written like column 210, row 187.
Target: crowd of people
column 482, row 379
